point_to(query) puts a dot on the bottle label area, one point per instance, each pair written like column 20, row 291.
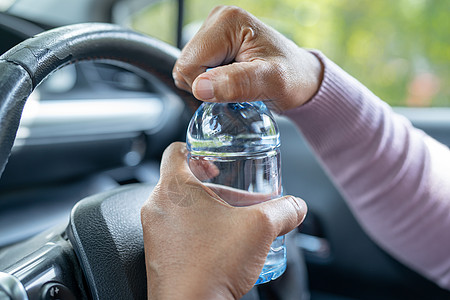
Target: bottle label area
column 241, row 181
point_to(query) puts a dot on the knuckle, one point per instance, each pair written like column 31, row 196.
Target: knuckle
column 146, row 212
column 176, row 75
column 232, row 15
column 187, row 62
column 182, row 67
column 154, row 207
column 231, row 11
column 188, row 65
column 236, row 17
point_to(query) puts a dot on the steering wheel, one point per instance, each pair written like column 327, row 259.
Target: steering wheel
column 104, row 230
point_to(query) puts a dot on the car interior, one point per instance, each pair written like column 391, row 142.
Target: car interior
column 99, row 108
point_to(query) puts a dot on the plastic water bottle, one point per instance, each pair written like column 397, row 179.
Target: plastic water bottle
column 234, row 148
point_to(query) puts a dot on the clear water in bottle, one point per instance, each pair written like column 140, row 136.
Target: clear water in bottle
column 234, row 149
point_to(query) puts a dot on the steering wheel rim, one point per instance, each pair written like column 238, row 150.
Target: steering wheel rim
column 25, row 66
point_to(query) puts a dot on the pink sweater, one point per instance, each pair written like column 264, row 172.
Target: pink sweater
column 395, row 178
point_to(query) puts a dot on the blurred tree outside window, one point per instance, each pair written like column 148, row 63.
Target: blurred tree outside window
column 398, row 49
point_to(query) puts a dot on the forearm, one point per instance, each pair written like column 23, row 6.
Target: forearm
column 392, row 175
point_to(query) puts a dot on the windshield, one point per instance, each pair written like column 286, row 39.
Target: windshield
column 399, row 49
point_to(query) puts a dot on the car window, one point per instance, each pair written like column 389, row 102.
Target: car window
column 399, row 49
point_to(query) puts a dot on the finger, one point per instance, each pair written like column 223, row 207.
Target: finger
column 177, row 183
column 204, row 50
column 174, row 161
column 180, row 82
column 284, row 214
column 216, row 43
column 237, row 82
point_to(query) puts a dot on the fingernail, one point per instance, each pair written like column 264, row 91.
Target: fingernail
column 204, row 89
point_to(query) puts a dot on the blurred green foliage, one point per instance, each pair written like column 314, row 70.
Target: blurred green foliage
column 399, row 49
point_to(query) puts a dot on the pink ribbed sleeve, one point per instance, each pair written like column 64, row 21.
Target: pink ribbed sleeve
column 395, row 178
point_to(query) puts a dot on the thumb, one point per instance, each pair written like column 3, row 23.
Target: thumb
column 174, row 161
column 284, row 214
column 237, row 82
